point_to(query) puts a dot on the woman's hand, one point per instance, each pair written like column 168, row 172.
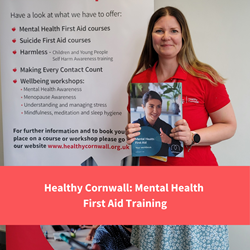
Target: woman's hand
column 182, row 132
column 132, row 130
column 165, row 138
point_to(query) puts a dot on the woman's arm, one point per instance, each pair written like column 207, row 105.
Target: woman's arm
column 224, row 127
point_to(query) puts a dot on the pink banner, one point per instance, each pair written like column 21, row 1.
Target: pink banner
column 124, row 195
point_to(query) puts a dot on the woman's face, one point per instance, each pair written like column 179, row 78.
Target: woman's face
column 152, row 110
column 167, row 37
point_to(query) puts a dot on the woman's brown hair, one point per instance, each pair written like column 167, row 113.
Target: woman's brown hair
column 186, row 57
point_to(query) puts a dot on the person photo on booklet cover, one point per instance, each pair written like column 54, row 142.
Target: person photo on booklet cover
column 152, row 106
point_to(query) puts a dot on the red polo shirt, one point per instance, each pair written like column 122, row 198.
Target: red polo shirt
column 199, row 98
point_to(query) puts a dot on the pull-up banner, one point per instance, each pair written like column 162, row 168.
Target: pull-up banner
column 65, row 66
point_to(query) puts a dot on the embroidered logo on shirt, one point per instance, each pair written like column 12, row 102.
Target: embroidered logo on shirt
column 189, row 100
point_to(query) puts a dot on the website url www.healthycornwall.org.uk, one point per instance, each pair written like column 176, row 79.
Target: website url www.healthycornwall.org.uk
column 89, row 146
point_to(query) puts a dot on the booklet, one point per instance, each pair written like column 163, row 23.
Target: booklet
column 156, row 107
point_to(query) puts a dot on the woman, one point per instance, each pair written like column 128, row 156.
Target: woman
column 168, row 56
column 152, row 105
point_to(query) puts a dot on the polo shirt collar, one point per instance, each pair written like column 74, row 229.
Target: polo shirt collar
column 179, row 75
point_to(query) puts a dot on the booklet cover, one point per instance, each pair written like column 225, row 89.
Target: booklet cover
column 156, row 107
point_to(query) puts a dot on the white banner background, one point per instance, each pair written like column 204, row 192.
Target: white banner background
column 36, row 40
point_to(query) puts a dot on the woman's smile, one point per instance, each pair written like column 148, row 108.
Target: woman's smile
column 167, row 37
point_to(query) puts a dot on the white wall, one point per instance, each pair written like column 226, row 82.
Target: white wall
column 220, row 36
column 1, row 128
column 220, row 33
